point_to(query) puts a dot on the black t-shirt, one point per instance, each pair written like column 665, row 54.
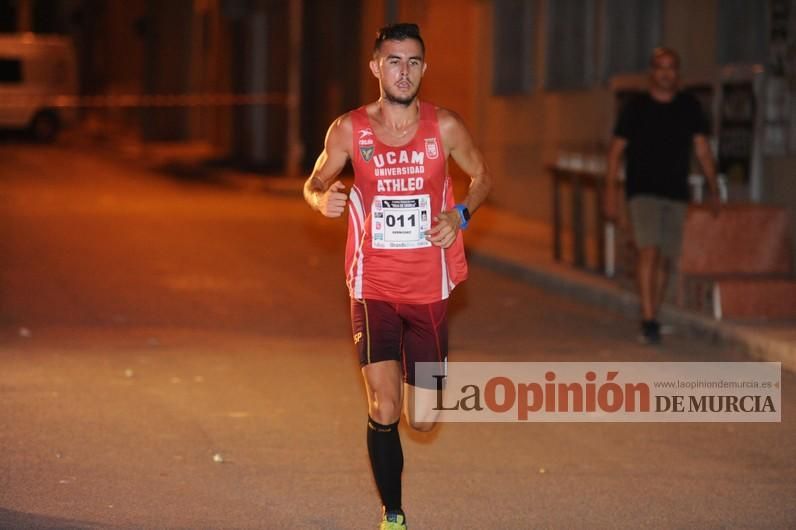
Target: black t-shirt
column 659, row 138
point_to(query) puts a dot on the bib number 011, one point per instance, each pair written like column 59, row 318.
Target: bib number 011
column 400, row 222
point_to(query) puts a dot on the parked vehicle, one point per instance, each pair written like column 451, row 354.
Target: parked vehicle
column 38, row 81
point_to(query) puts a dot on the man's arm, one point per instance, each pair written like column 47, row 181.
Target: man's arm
column 611, row 196
column 321, row 191
column 705, row 158
column 459, row 144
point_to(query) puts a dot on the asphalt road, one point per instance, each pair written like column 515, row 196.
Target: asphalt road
column 175, row 353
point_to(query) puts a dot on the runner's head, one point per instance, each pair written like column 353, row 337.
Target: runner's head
column 398, row 32
column 398, row 62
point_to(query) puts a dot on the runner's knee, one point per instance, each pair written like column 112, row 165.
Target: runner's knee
column 422, row 426
column 420, row 416
column 385, row 410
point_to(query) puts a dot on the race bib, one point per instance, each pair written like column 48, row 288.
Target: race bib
column 400, row 221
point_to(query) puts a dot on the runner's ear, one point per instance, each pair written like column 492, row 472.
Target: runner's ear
column 374, row 68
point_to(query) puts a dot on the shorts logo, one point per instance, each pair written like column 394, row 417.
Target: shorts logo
column 432, row 151
column 367, row 152
column 357, row 337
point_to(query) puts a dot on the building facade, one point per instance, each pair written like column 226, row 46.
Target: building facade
column 535, row 80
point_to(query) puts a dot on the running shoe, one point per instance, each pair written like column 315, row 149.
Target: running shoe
column 393, row 521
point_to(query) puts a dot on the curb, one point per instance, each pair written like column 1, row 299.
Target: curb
column 578, row 286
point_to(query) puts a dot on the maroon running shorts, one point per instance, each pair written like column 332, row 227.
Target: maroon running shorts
column 407, row 333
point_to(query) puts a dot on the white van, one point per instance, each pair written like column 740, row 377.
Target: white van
column 38, row 83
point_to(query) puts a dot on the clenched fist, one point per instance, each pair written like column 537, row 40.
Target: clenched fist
column 332, row 202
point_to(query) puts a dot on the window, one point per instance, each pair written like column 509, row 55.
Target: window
column 513, row 47
column 742, row 31
column 10, row 70
column 632, row 29
column 570, row 44
column 8, row 16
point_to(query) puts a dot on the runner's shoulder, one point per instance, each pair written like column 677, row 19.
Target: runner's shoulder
column 448, row 120
column 451, row 128
column 341, row 131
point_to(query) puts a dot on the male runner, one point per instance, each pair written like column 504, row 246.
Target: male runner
column 404, row 252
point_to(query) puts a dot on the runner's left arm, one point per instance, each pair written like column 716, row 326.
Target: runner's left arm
column 459, row 144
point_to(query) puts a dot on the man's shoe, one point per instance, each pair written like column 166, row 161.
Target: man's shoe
column 393, row 521
column 650, row 332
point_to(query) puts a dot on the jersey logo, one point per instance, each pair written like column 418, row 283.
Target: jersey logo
column 367, row 152
column 364, row 133
column 432, row 151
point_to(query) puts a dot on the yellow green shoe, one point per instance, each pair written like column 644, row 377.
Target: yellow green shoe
column 393, row 521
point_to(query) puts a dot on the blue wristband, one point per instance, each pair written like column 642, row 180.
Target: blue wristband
column 464, row 215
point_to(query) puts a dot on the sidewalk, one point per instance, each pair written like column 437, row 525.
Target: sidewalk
column 521, row 248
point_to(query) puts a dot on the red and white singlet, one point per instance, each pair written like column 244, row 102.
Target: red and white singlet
column 397, row 192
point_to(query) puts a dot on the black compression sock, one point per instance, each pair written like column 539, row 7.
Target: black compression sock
column 387, row 462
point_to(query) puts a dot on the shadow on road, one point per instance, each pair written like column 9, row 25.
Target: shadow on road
column 194, row 173
column 13, row 519
column 10, row 136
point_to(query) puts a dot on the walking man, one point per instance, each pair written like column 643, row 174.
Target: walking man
column 658, row 131
column 404, row 252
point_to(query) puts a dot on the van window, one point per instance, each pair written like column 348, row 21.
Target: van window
column 10, row 70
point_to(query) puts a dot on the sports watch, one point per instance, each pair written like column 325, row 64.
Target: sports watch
column 464, row 214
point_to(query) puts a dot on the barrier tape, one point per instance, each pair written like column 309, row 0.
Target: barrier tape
column 143, row 100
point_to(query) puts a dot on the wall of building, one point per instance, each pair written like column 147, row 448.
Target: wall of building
column 523, row 134
column 127, row 39
column 211, row 72
column 333, row 69
column 690, row 28
column 167, row 67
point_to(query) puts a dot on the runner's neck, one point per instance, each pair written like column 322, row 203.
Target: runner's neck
column 397, row 119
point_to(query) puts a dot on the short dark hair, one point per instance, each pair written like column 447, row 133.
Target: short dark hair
column 662, row 51
column 400, row 31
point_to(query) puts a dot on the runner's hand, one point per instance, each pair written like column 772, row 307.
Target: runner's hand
column 332, row 201
column 443, row 234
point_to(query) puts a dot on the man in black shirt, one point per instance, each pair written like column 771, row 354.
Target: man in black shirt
column 656, row 132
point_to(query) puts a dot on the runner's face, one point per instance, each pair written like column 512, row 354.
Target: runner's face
column 399, row 67
column 665, row 73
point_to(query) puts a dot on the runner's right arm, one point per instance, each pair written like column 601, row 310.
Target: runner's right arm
column 321, row 190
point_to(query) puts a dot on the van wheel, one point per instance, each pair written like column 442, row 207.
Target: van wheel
column 44, row 127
